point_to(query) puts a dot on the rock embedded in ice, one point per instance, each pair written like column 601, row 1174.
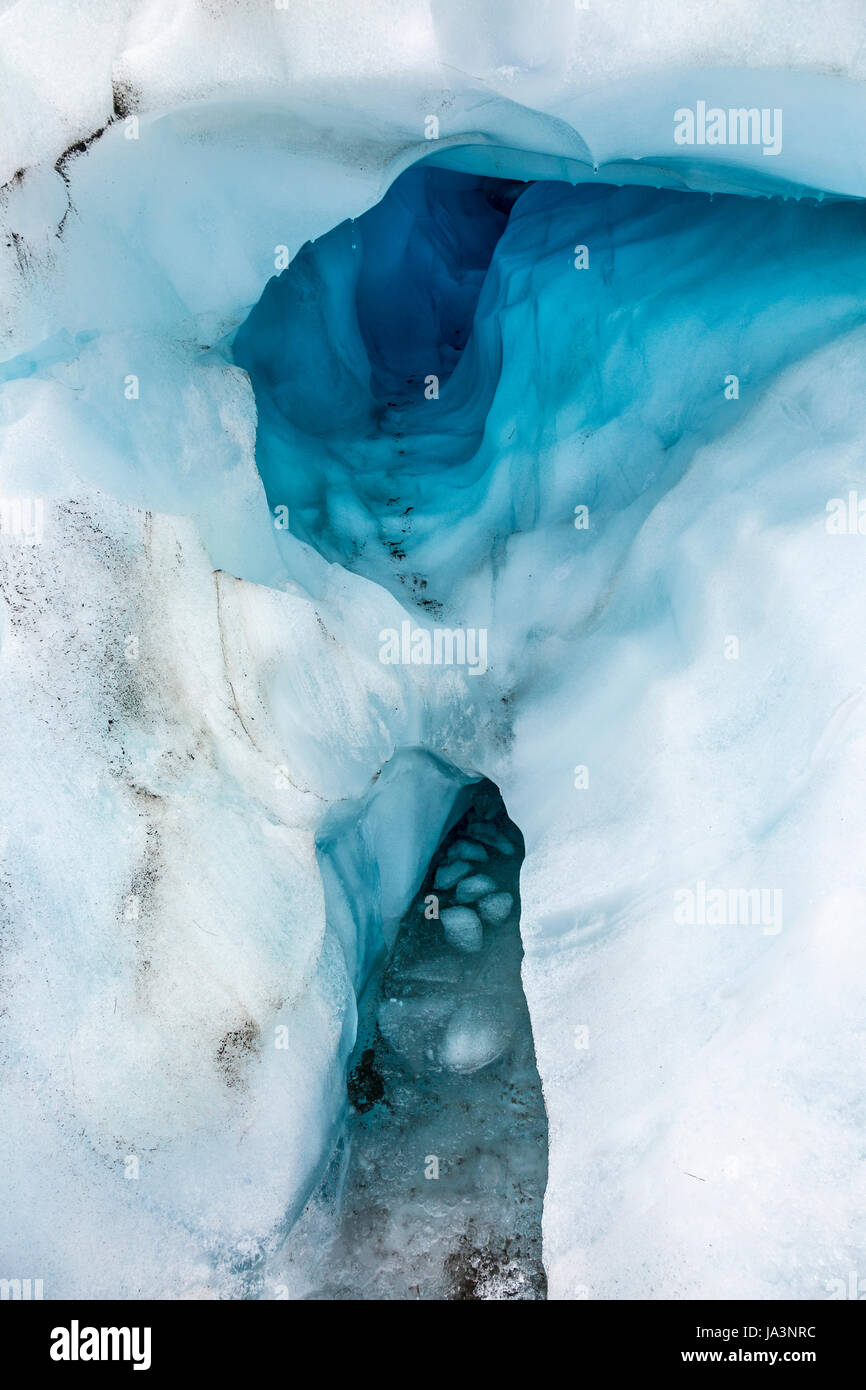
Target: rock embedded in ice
column 467, row 849
column 476, row 1035
column 476, row 886
column 462, row 928
column 449, row 874
column 495, row 908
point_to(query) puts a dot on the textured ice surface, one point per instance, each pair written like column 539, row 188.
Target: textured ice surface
column 673, row 753
column 435, row 1186
column 462, row 927
column 474, row 1038
column 474, row 886
column 495, row 908
column 199, row 731
column 451, row 873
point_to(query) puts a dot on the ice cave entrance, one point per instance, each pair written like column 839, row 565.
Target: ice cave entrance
column 437, row 1183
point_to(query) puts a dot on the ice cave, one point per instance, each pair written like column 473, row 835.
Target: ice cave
column 431, row 559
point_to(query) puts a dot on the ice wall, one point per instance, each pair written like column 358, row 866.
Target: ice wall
column 179, row 1010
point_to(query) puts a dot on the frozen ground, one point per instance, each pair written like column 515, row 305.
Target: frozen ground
column 221, row 802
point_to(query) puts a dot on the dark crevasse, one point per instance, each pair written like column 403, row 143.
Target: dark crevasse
column 425, row 250
column 367, row 313
column 435, row 1189
column 358, row 357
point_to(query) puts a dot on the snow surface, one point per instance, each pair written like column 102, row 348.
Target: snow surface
column 221, row 801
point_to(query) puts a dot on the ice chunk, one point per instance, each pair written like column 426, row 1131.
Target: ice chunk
column 495, row 908
column 413, row 1026
column 462, row 928
column 449, row 874
column 467, row 849
column 475, row 886
column 476, row 1035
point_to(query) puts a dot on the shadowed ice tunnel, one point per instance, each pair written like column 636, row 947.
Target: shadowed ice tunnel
column 436, row 1183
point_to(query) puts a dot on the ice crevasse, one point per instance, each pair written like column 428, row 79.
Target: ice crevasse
column 193, row 697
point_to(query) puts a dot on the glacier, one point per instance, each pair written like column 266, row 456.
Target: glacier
column 235, row 249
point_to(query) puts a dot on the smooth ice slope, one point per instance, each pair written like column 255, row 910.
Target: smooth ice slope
column 193, row 771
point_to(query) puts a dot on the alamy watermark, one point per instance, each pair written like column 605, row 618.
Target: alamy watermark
column 740, row 125
column 729, row 907
column 853, row 1288
column 846, row 516
column 441, row 646
column 22, row 519
column 77, row 1343
column 21, row 1289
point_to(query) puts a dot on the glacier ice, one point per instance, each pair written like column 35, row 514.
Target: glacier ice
column 462, row 927
column 489, row 835
column 221, row 802
column 475, row 1037
column 474, row 886
column 468, row 850
column 495, row 908
column 451, row 873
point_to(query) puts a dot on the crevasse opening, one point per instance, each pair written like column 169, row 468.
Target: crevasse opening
column 435, row 1184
